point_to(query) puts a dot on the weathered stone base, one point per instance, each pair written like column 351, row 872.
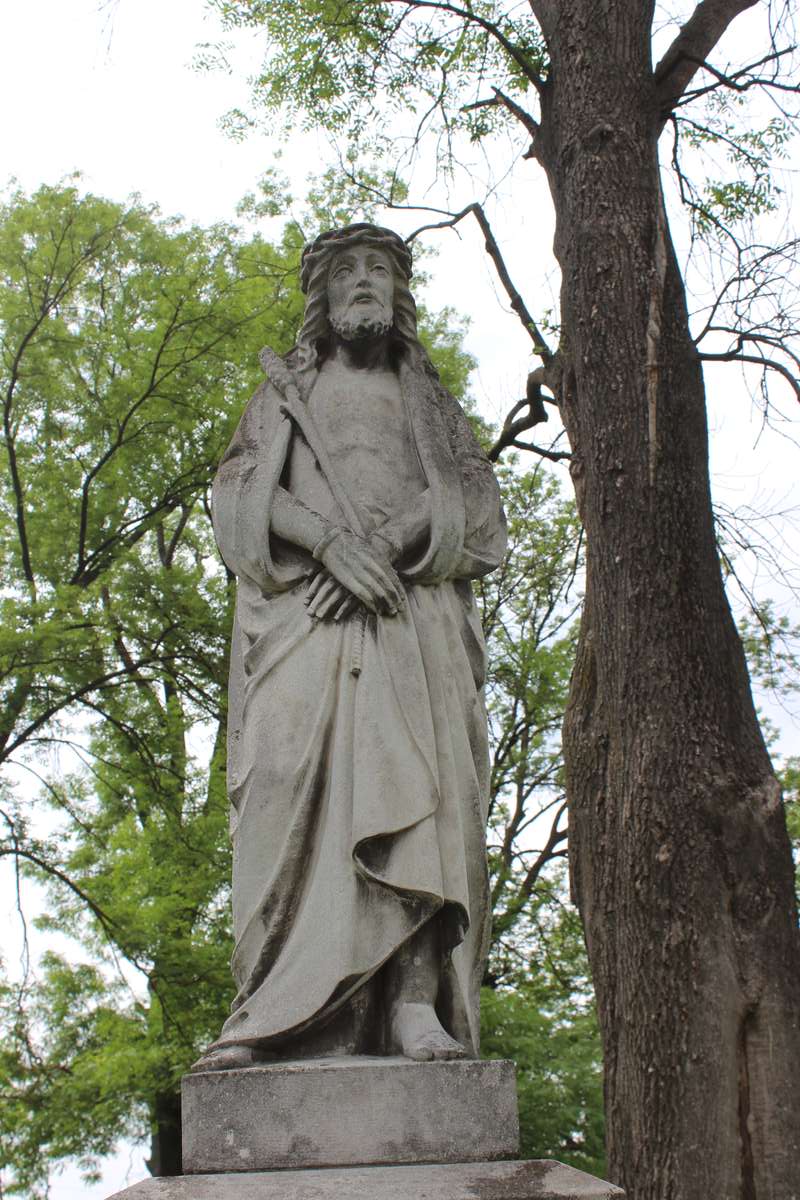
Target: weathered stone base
column 536, row 1180
column 348, row 1112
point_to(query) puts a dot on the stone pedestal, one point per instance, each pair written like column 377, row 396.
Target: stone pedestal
column 535, row 1180
column 360, row 1129
column 348, row 1112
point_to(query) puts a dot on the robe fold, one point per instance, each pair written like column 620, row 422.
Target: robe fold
column 358, row 800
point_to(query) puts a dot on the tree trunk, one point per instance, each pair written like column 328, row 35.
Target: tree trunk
column 680, row 859
column 165, row 1140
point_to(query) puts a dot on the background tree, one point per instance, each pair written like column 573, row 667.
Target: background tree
column 529, row 611
column 543, row 1018
column 680, row 859
column 126, row 344
column 118, row 332
column 537, row 1007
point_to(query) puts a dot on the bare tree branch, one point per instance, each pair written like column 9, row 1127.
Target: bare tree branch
column 692, row 46
column 552, row 455
column 19, row 852
column 65, row 700
column 494, row 30
column 555, row 837
column 541, row 347
column 742, row 80
column 500, row 99
column 760, row 360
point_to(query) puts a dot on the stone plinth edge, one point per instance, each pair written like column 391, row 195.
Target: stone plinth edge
column 535, row 1180
column 348, row 1112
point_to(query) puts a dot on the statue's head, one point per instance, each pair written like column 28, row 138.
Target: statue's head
column 356, row 283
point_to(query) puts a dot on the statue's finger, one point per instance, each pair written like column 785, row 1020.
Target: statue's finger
column 331, row 602
column 384, row 569
column 315, row 584
column 327, row 588
column 347, row 606
column 360, row 583
column 360, row 575
column 318, row 607
column 365, row 592
column 390, row 589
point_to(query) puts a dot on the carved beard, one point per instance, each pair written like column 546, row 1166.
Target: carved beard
column 374, row 323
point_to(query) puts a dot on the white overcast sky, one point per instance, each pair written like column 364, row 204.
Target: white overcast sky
column 108, row 90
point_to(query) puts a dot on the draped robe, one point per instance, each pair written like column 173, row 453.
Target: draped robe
column 357, row 750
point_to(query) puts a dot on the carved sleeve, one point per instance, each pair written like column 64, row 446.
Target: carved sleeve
column 243, row 493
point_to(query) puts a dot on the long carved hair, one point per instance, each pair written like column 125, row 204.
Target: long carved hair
column 314, row 337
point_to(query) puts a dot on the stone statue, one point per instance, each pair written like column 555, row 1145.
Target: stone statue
column 355, row 506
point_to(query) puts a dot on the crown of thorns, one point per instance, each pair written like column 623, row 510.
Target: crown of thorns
column 354, row 235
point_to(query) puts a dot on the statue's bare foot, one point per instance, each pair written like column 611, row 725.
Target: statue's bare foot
column 417, row 1034
column 234, row 1057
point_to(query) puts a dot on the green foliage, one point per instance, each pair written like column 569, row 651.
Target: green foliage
column 442, row 335
column 350, row 67
column 722, row 202
column 346, row 67
column 529, row 612
column 544, row 1021
column 91, row 1070
column 537, row 1008
column 334, row 197
column 126, row 344
column 348, row 192
column 789, row 777
column 272, row 197
column 771, row 644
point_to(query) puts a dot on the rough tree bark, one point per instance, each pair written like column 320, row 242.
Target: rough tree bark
column 680, row 859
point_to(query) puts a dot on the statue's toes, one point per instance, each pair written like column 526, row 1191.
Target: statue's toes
column 446, row 1048
column 420, row 1050
column 227, row 1058
column 434, row 1046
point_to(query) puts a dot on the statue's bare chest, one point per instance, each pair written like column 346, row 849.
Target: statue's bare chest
column 363, row 421
column 359, row 409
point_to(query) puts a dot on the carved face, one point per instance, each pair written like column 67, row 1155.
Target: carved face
column 360, row 292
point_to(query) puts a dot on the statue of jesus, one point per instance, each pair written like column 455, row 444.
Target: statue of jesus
column 355, row 507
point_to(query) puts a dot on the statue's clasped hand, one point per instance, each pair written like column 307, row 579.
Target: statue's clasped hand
column 354, row 571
